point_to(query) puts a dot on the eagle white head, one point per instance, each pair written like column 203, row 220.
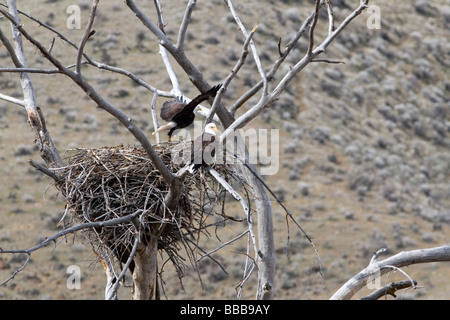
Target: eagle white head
column 211, row 129
column 204, row 112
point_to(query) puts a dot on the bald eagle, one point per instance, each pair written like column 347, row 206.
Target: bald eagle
column 203, row 149
column 181, row 115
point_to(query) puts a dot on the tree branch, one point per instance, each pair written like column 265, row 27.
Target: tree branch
column 45, row 170
column 194, row 74
column 111, row 294
column 102, row 103
column 184, row 25
column 375, row 267
column 10, row 49
column 30, row 70
column 312, row 28
column 253, row 47
column 176, row 91
column 99, row 65
column 86, row 35
column 389, row 289
column 46, row 146
column 12, row 100
column 230, row 77
column 288, row 48
column 288, row 215
column 78, row 227
column 163, row 40
column 307, row 58
column 155, row 116
column 246, row 208
column 329, row 5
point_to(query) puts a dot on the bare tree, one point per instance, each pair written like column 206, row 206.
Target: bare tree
column 147, row 226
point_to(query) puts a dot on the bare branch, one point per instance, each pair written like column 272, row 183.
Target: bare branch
column 10, row 49
column 329, row 5
column 65, row 232
column 230, row 77
column 12, row 100
column 307, row 58
column 253, row 47
column 184, row 24
column 404, row 258
column 102, row 103
column 376, row 254
column 130, row 75
column 413, row 283
column 362, row 6
column 45, row 170
column 313, row 26
column 18, row 270
column 328, row 61
column 36, row 120
column 155, row 116
column 252, row 238
column 389, row 289
column 97, row 64
column 176, row 91
column 78, row 227
column 86, row 35
column 288, row 48
column 223, row 245
column 194, row 74
column 163, row 40
column 289, row 215
column 238, row 198
column 30, row 70
column 16, row 24
column 51, row 45
column 112, row 292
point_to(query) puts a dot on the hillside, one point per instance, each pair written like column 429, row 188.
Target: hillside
column 364, row 153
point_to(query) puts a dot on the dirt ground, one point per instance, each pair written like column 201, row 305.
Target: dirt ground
column 364, row 158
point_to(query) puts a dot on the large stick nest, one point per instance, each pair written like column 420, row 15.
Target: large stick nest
column 111, row 182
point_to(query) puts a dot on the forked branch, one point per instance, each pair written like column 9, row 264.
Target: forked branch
column 62, row 233
column 168, row 176
column 309, row 56
column 86, row 36
column 390, row 289
column 378, row 268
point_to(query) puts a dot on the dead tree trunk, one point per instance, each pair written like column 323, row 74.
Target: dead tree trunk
column 145, row 275
column 35, row 115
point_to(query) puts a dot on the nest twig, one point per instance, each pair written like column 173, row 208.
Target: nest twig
column 111, row 182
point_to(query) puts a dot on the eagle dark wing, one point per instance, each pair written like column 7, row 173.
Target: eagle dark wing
column 189, row 108
column 170, row 109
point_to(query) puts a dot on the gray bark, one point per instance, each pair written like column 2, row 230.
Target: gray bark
column 145, row 282
column 35, row 117
column 402, row 259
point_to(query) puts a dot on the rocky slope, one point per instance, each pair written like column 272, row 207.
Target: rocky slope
column 364, row 156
